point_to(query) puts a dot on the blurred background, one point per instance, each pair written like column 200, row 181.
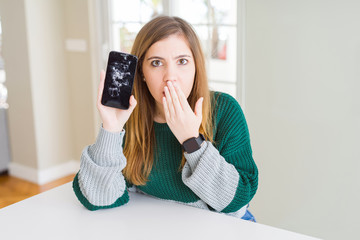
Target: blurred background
column 294, row 67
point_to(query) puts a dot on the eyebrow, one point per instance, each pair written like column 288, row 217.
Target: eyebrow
column 157, row 57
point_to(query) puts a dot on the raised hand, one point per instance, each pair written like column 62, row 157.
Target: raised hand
column 182, row 121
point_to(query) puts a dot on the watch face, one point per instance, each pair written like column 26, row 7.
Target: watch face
column 193, row 144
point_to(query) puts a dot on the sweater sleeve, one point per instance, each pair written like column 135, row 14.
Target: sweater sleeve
column 99, row 183
column 225, row 176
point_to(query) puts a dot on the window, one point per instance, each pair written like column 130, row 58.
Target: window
column 215, row 22
column 1, row 58
column 3, row 90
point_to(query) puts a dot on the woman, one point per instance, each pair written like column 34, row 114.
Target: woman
column 181, row 142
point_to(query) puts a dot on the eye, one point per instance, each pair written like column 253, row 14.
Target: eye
column 182, row 61
column 156, row 63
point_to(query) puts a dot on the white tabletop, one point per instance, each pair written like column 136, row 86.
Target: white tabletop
column 57, row 214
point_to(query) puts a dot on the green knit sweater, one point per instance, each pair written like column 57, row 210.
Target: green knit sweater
column 221, row 176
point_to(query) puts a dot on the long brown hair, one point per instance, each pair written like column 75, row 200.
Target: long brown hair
column 140, row 135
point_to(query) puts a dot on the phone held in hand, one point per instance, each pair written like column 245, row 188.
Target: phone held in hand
column 119, row 79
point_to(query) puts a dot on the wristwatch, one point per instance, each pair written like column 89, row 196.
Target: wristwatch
column 193, row 144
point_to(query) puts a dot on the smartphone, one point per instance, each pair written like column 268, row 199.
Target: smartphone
column 119, row 79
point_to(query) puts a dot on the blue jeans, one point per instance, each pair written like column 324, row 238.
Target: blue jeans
column 248, row 216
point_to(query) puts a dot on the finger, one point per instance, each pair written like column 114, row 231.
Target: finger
column 101, row 86
column 132, row 103
column 166, row 109
column 182, row 98
column 198, row 107
column 169, row 102
column 175, row 98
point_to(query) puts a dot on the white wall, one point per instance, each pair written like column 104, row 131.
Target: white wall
column 47, row 105
column 79, row 76
column 51, row 114
column 303, row 110
column 18, row 82
column 49, row 85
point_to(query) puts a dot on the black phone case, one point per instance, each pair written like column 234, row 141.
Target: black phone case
column 119, row 79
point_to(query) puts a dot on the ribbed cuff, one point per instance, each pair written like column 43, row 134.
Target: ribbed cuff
column 120, row 201
column 210, row 177
column 194, row 157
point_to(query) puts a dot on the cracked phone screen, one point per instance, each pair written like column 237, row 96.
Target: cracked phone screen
column 119, row 79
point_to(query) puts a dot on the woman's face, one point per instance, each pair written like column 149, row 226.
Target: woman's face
column 169, row 59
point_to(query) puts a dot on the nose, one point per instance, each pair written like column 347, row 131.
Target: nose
column 170, row 73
